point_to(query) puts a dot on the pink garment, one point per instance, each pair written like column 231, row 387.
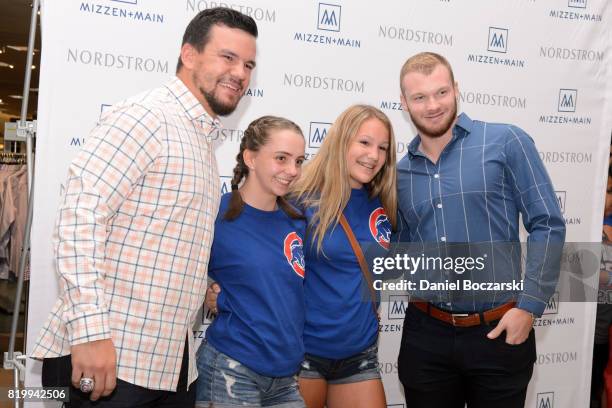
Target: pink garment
column 18, row 185
column 13, row 208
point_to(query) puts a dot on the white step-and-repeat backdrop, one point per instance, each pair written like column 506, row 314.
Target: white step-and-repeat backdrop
column 543, row 65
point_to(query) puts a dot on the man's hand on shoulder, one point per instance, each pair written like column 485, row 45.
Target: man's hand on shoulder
column 97, row 360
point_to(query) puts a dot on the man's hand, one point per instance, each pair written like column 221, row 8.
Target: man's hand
column 211, row 297
column 517, row 323
column 97, row 360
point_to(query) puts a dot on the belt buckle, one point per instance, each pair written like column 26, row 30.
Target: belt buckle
column 455, row 315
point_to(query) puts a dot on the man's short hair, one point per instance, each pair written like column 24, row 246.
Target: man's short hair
column 197, row 32
column 424, row 63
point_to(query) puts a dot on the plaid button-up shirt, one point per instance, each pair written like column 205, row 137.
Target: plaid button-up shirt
column 487, row 175
column 133, row 236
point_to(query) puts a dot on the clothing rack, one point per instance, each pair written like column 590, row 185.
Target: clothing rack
column 13, row 158
column 14, row 360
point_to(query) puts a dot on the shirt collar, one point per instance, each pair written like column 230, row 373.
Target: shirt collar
column 193, row 108
column 463, row 127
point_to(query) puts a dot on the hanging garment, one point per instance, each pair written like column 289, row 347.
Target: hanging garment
column 18, row 183
column 5, row 224
column 13, row 212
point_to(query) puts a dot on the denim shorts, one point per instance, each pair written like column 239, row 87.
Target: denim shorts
column 356, row 368
column 224, row 382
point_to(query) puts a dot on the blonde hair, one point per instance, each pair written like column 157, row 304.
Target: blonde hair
column 325, row 180
column 424, row 63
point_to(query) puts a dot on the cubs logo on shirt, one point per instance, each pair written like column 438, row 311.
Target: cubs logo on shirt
column 380, row 227
column 294, row 253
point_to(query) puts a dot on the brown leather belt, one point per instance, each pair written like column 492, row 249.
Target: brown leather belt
column 464, row 319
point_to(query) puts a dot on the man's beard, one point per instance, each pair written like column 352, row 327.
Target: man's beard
column 438, row 131
column 216, row 105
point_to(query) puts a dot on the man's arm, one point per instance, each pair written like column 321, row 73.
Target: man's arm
column 535, row 197
column 117, row 154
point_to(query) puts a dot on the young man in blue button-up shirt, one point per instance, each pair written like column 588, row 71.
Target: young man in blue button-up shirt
column 461, row 188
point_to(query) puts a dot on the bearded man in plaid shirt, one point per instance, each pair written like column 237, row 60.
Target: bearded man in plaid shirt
column 134, row 231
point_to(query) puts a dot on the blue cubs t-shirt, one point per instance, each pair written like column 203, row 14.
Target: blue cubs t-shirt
column 258, row 260
column 340, row 321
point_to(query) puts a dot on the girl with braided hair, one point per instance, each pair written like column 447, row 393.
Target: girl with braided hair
column 352, row 176
column 253, row 348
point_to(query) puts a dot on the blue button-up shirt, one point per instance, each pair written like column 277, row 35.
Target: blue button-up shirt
column 485, row 177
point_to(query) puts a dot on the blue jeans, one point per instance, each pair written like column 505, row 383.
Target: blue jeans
column 224, row 382
column 357, row 368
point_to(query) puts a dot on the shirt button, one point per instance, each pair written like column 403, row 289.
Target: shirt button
column 436, row 175
column 439, row 205
column 443, row 239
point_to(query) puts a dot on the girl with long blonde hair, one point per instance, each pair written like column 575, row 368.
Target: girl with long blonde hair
column 353, row 175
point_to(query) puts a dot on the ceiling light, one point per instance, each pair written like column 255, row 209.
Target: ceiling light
column 17, row 47
column 16, row 96
column 21, row 48
column 4, row 64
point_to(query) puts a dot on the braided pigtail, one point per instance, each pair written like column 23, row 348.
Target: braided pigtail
column 240, row 171
column 290, row 210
